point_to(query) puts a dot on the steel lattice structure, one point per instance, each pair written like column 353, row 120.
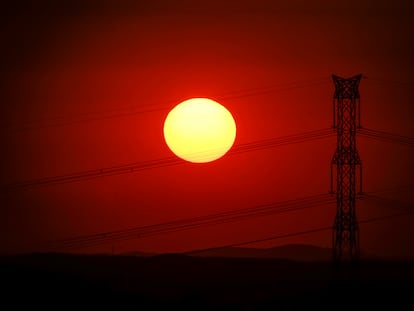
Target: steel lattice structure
column 346, row 120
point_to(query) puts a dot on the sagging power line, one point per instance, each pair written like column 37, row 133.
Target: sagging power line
column 296, row 233
column 195, row 222
column 386, row 137
column 170, row 161
column 142, row 109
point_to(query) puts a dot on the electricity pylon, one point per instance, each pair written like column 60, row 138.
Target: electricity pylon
column 346, row 120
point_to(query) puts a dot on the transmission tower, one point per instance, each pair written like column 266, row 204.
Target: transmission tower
column 346, row 120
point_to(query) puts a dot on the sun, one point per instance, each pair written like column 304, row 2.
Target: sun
column 199, row 130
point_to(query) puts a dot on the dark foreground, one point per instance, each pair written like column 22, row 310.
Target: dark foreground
column 56, row 281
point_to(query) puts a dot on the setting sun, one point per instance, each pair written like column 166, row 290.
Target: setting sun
column 199, row 130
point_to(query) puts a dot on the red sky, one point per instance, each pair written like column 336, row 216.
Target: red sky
column 87, row 86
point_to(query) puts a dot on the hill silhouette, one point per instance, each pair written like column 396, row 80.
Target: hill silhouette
column 138, row 254
column 296, row 252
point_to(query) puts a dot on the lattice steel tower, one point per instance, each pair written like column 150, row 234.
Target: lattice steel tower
column 346, row 119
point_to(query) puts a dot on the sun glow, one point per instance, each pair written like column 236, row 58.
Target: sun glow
column 199, row 130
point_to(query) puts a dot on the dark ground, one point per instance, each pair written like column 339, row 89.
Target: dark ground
column 58, row 281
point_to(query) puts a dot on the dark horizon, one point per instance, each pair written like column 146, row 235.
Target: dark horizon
column 202, row 283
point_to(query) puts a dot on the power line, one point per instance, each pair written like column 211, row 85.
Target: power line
column 237, row 149
column 241, row 210
column 192, row 223
column 158, row 163
column 387, row 137
column 297, row 233
column 215, row 219
column 133, row 110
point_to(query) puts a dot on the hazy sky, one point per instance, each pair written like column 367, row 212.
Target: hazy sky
column 87, row 86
